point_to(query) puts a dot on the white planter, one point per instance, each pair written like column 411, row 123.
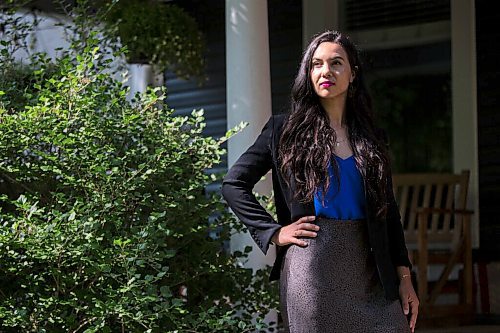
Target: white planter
column 141, row 76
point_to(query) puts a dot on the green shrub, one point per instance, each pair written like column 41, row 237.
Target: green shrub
column 104, row 217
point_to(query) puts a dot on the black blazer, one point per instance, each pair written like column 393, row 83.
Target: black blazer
column 386, row 236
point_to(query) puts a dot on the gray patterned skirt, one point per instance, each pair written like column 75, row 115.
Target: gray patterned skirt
column 332, row 285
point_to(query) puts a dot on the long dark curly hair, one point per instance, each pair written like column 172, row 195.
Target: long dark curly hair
column 307, row 141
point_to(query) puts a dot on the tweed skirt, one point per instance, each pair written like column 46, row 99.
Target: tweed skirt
column 332, row 285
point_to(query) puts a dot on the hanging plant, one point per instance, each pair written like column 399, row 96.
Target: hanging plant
column 159, row 34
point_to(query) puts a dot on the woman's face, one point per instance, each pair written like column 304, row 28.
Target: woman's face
column 330, row 71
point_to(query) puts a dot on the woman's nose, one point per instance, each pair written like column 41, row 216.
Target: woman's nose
column 326, row 70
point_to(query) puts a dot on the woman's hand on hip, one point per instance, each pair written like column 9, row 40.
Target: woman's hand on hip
column 290, row 234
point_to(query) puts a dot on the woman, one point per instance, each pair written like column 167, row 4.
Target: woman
column 341, row 256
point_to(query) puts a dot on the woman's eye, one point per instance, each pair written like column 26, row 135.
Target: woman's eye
column 316, row 64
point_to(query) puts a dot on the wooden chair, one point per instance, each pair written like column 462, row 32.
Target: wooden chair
column 437, row 231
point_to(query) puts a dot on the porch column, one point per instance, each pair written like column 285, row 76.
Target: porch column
column 464, row 100
column 248, row 89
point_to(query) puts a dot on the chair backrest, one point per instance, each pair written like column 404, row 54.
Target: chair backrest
column 433, row 190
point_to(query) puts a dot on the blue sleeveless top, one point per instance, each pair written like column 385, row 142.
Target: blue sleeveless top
column 349, row 203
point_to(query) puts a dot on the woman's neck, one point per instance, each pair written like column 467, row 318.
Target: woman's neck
column 335, row 109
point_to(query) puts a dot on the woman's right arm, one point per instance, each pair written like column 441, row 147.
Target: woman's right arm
column 238, row 184
column 237, row 188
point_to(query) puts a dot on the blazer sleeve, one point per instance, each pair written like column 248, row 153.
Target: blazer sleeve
column 397, row 244
column 238, row 184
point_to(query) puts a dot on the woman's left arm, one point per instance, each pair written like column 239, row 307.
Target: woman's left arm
column 397, row 245
column 399, row 255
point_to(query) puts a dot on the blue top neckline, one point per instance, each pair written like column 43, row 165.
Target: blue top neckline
column 344, row 159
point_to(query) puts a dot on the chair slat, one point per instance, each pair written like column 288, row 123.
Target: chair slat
column 450, row 198
column 413, row 207
column 427, row 197
column 437, row 202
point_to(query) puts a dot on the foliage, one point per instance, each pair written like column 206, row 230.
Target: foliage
column 158, row 33
column 16, row 82
column 105, row 220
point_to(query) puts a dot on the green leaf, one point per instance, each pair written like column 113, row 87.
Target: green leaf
column 165, row 291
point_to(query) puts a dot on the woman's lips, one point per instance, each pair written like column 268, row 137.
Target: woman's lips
column 326, row 84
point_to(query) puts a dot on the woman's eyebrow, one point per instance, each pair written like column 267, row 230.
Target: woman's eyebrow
column 336, row 57
column 332, row 58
